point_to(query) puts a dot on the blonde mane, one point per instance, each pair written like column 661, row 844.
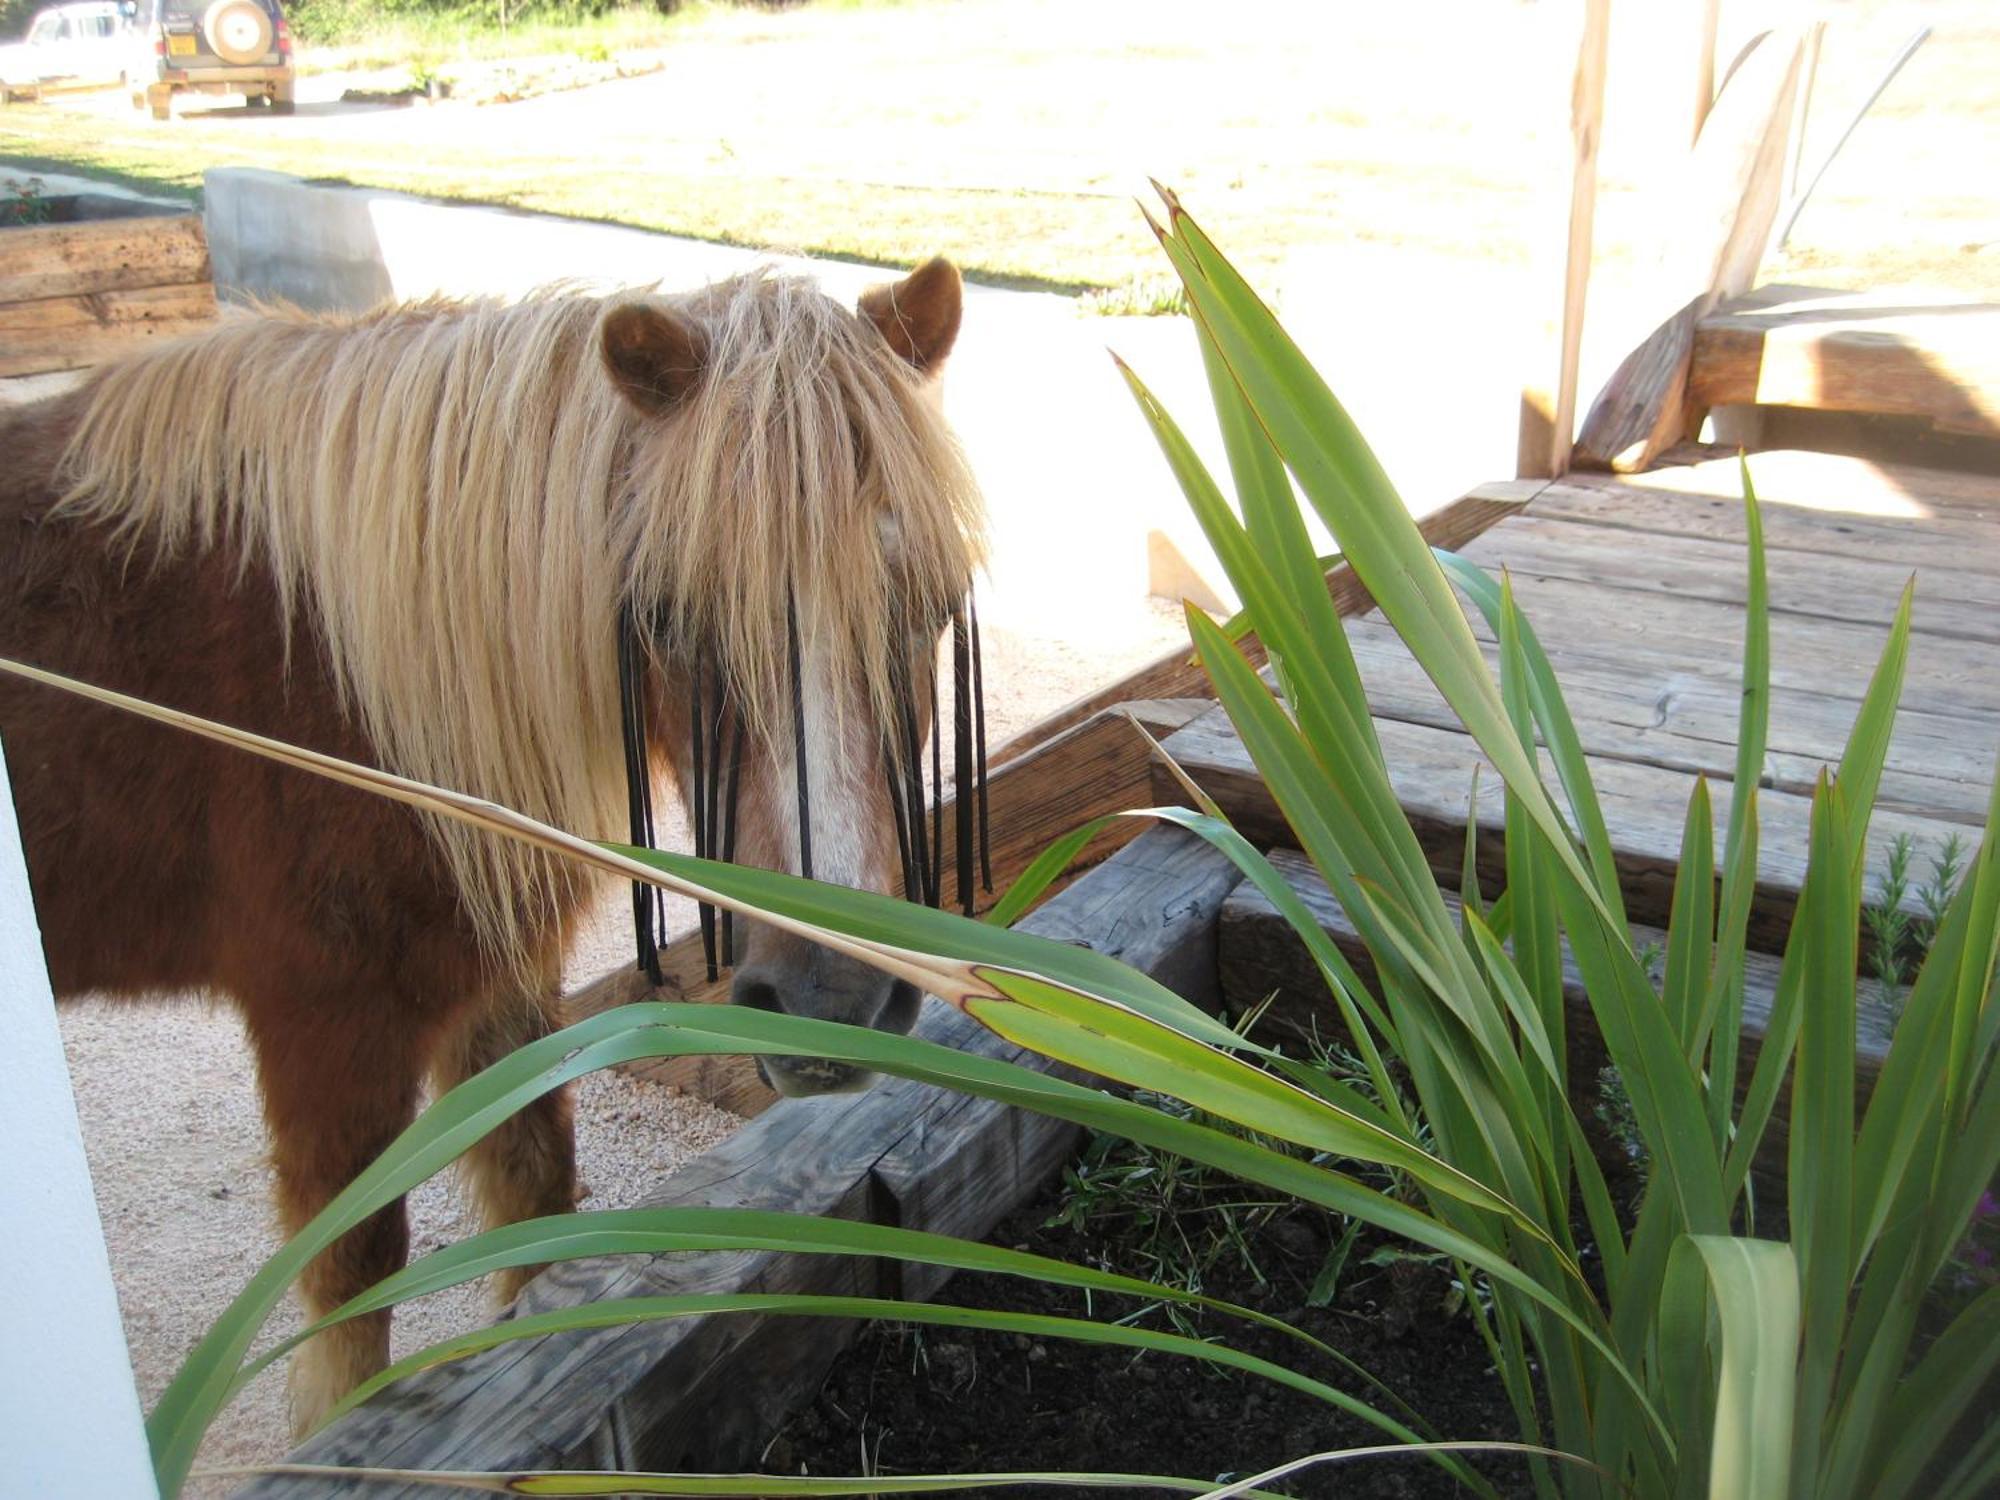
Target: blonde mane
column 458, row 500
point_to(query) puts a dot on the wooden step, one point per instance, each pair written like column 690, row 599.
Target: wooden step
column 1644, row 808
column 1920, row 354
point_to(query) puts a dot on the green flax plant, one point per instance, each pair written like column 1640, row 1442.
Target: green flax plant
column 1719, row 1362
column 1678, row 1355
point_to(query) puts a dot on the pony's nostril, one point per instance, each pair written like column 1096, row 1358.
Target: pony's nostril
column 758, row 994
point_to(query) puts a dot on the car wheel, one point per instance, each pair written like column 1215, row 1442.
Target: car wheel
column 280, row 98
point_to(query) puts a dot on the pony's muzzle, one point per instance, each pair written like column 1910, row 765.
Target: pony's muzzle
column 807, row 980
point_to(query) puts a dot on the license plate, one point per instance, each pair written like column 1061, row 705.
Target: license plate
column 181, row 46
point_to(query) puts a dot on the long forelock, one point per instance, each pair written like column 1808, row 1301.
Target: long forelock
column 809, row 484
column 456, row 498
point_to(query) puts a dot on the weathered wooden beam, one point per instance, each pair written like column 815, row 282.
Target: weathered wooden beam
column 1908, row 354
column 1259, row 956
column 1178, row 675
column 106, row 255
column 1098, row 767
column 74, row 332
column 1734, row 179
column 706, row 1393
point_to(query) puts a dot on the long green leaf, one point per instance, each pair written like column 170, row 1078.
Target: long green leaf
column 1552, row 718
column 1822, row 1133
column 1956, row 1371
column 1691, row 925
column 657, row 1231
column 612, row 1482
column 1348, row 487
column 1756, row 1290
column 1722, row 1006
column 1859, row 774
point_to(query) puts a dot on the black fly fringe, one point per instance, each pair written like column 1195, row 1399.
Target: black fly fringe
column 979, row 740
column 799, row 741
column 961, row 744
column 648, row 907
column 920, row 833
column 699, row 803
column 716, row 755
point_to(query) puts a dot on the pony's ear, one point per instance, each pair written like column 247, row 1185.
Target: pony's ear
column 919, row 314
column 654, row 356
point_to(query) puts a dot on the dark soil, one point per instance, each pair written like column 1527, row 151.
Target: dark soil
column 908, row 1399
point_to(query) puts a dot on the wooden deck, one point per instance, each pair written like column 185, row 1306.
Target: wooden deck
column 1635, row 586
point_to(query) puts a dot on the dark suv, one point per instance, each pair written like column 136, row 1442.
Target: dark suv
column 214, row 47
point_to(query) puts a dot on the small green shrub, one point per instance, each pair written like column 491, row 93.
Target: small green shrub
column 25, row 203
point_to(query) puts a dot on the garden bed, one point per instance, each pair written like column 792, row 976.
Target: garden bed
column 908, row 1400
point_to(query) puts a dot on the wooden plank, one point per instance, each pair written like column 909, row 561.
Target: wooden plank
column 1683, row 720
column 1945, row 675
column 1258, row 955
column 1548, row 418
column 71, row 333
column 1731, row 198
column 1854, row 585
column 1178, row 675
column 105, row 255
column 1901, row 353
column 1810, row 479
column 1889, row 519
column 1098, row 767
column 1644, row 808
column 704, row 1394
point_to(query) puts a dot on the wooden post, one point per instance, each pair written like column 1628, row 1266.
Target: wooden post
column 72, row 1412
column 1722, row 223
column 1548, row 419
column 1707, row 12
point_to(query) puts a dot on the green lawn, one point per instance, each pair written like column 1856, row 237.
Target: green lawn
column 1013, row 135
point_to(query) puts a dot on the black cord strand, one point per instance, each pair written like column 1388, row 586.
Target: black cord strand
column 638, row 786
column 979, row 774
column 799, row 741
column 961, row 746
column 700, row 804
column 729, row 830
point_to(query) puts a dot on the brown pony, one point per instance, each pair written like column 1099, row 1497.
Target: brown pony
column 410, row 538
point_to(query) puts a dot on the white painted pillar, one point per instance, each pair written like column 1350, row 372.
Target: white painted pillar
column 69, row 1414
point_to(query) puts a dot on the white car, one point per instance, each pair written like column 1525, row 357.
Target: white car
column 70, row 46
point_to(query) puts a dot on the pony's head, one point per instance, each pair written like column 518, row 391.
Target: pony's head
column 802, row 529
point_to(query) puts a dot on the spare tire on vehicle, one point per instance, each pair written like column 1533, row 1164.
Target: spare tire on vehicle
column 238, row 31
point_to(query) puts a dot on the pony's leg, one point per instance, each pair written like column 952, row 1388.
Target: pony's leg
column 525, row 1168
column 334, row 1097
